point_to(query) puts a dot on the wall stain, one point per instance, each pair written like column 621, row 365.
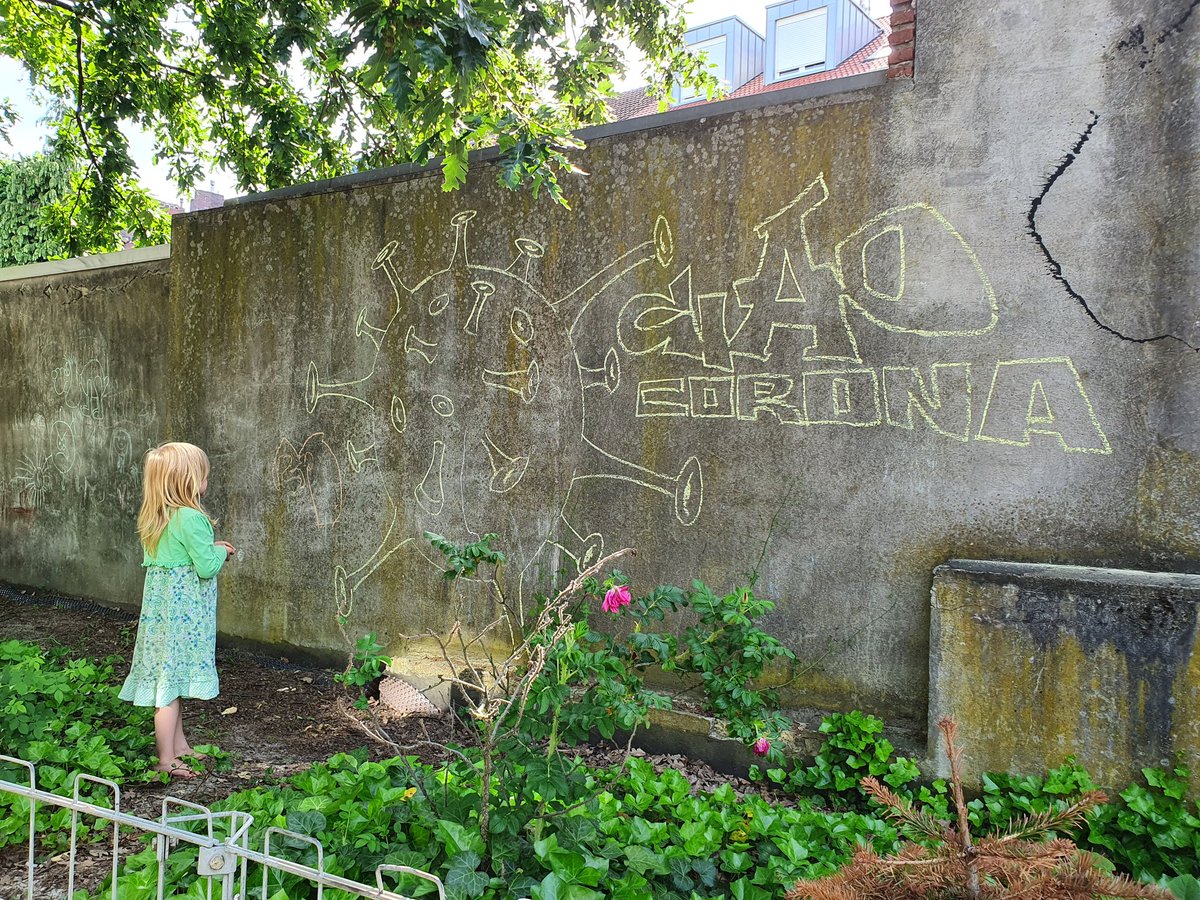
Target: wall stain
column 1153, row 631
column 1136, row 41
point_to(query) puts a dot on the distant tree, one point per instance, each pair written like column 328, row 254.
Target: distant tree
column 46, row 213
column 27, row 185
column 286, row 91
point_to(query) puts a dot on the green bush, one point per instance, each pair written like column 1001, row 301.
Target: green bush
column 1149, row 831
column 854, row 747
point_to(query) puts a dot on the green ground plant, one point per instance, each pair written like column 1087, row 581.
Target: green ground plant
column 626, row 832
column 366, row 666
column 64, row 716
column 1027, row 858
column 854, row 748
column 558, row 828
column 1150, row 831
column 565, row 680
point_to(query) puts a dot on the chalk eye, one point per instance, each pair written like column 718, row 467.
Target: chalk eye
column 442, row 405
column 438, row 304
column 521, row 326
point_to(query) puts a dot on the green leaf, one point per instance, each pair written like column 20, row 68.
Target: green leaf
column 459, row 839
column 1184, row 887
column 310, row 822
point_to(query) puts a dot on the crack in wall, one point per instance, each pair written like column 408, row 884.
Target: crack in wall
column 68, row 294
column 1056, row 269
column 1137, row 37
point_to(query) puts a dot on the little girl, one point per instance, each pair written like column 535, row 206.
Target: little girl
column 175, row 654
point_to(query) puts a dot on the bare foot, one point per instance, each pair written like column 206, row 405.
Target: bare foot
column 188, row 751
column 176, row 769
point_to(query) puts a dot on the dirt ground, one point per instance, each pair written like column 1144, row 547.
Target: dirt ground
column 288, row 717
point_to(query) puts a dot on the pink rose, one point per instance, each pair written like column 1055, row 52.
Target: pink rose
column 615, row 598
column 761, row 746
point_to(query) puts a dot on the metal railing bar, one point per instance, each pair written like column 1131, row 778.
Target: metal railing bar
column 240, row 823
column 29, row 861
column 325, row 878
column 236, row 831
column 303, row 838
column 409, row 870
column 75, row 811
column 102, row 812
column 203, row 812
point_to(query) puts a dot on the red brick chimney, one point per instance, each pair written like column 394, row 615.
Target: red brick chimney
column 902, row 37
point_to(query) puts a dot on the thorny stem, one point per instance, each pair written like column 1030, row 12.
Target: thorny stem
column 490, row 704
column 485, row 800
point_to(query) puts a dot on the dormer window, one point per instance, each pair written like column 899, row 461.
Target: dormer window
column 714, row 50
column 800, row 42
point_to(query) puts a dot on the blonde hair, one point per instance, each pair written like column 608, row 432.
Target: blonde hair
column 174, row 474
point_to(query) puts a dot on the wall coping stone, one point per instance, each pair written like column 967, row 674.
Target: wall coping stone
column 998, row 570
column 862, row 81
column 86, row 263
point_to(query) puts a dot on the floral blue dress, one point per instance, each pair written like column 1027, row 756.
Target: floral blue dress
column 175, row 653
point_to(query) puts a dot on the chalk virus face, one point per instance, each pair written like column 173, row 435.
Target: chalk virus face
column 471, row 416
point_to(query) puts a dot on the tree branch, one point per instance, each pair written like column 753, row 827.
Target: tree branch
column 75, row 11
column 79, row 96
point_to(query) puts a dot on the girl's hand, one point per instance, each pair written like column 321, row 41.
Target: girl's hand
column 229, row 548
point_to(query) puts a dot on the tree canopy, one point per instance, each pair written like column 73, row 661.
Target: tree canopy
column 286, row 91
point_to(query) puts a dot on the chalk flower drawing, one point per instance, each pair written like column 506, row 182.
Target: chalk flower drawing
column 33, row 481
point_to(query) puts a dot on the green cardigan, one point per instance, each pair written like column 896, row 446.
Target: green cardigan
column 187, row 541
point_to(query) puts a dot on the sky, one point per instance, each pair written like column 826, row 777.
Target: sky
column 29, row 135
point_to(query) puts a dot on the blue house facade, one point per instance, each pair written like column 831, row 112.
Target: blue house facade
column 734, row 51
column 808, row 36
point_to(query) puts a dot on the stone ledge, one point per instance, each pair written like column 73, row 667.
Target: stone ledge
column 1001, row 570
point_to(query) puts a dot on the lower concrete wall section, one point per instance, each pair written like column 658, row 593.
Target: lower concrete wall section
column 1041, row 662
column 838, row 340
column 84, row 392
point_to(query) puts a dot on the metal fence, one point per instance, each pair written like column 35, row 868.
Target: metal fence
column 225, row 856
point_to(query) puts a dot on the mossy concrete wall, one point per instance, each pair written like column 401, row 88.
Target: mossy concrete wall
column 84, row 389
column 837, row 341
column 1041, row 662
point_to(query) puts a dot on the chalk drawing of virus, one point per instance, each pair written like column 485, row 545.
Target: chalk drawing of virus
column 474, row 410
column 33, row 481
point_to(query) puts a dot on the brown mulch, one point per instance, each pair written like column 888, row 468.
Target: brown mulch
column 287, row 717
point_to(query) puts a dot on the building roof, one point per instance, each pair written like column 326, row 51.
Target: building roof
column 872, row 57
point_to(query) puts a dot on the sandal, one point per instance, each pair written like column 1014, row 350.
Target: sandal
column 179, row 770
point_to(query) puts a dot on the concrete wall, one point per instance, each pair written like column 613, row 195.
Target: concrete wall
column 870, row 332
column 84, row 392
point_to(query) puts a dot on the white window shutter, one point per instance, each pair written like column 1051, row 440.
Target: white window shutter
column 800, row 43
